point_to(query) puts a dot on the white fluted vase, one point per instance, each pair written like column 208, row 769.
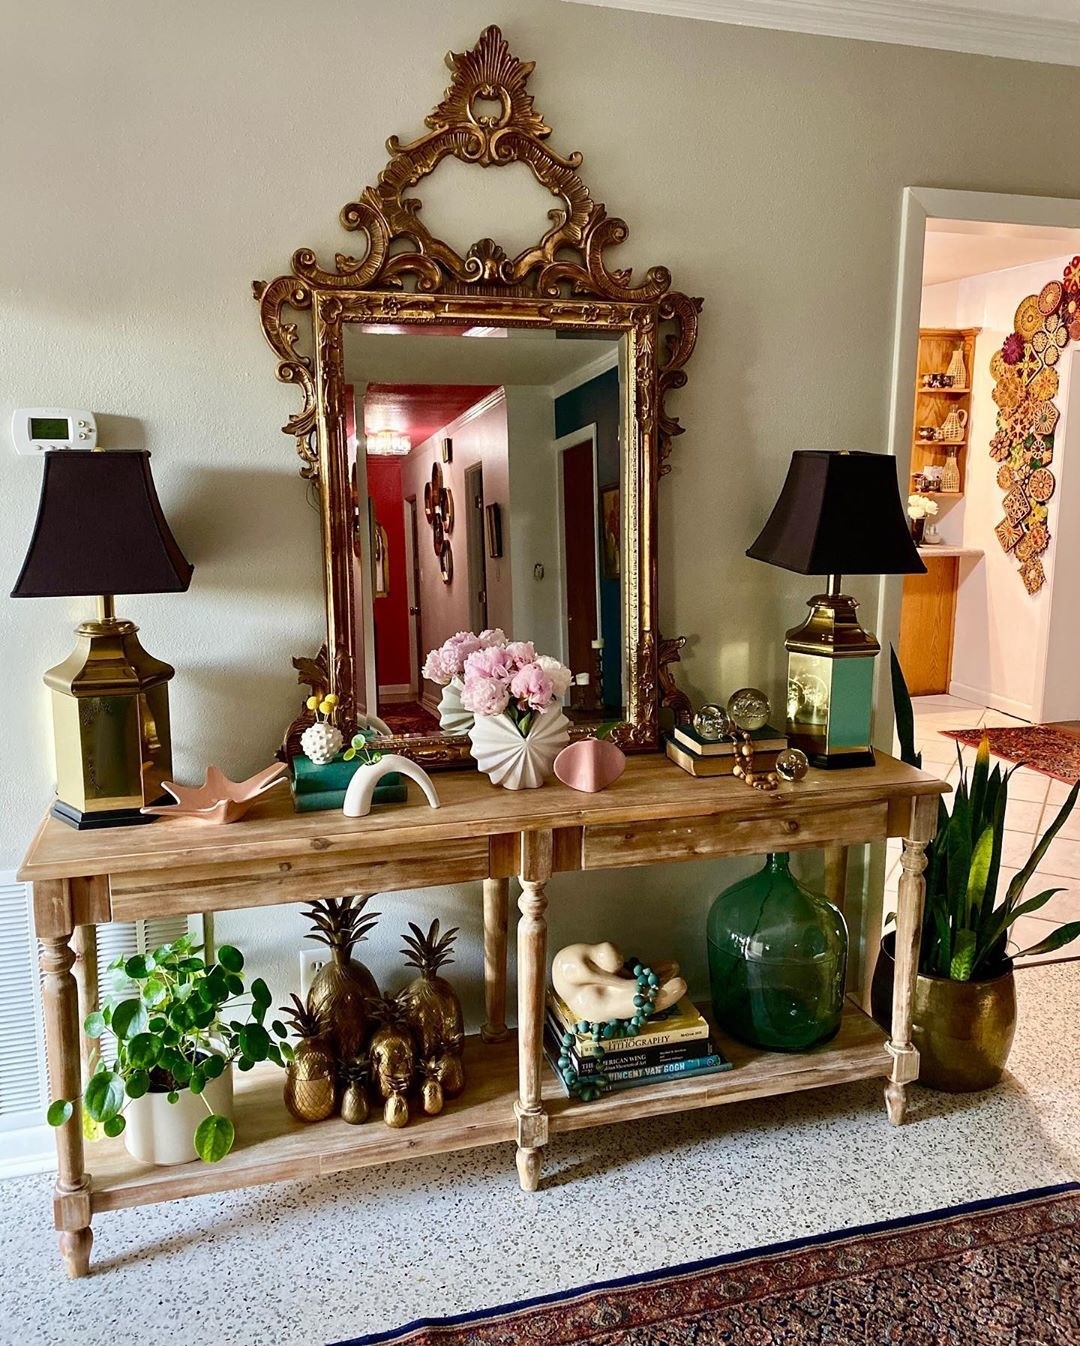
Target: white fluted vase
column 453, row 717
column 514, row 760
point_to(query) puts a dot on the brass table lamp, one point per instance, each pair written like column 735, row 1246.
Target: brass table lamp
column 100, row 530
column 838, row 513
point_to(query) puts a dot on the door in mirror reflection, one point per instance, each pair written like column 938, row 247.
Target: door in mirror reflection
column 492, row 463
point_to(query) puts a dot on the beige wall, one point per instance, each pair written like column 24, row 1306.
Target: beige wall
column 157, row 158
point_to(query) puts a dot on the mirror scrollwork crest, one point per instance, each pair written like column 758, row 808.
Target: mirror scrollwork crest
column 554, row 306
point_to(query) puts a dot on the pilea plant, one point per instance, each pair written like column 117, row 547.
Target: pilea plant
column 178, row 1022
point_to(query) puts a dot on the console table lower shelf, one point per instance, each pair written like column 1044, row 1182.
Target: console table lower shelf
column 272, row 1147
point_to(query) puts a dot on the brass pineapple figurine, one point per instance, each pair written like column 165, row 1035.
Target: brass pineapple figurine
column 310, row 1073
column 354, row 1101
column 342, row 985
column 432, row 1008
column 431, row 1091
column 392, row 1057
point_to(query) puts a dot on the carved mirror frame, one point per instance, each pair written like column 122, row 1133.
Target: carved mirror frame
column 406, row 275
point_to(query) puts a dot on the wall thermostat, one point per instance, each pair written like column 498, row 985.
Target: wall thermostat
column 35, row 429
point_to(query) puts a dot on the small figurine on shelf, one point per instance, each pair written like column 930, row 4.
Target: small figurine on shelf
column 593, row 981
column 431, row 1007
column 309, row 1074
column 392, row 1058
column 431, row 1091
column 322, row 740
column 355, row 1108
column 341, row 986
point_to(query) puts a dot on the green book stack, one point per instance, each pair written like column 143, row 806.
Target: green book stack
column 323, row 787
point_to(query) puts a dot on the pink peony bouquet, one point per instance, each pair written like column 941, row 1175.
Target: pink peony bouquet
column 448, row 661
column 499, row 676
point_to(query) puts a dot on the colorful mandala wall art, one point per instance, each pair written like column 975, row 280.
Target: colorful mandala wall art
column 1025, row 385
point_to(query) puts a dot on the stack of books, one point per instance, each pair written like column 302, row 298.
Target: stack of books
column 323, row 787
column 707, row 757
column 673, row 1045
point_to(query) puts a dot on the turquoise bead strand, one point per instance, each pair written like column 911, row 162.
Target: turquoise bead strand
column 590, row 1087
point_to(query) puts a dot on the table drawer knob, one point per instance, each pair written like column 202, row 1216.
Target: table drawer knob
column 790, row 825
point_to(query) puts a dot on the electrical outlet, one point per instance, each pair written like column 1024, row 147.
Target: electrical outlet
column 310, row 963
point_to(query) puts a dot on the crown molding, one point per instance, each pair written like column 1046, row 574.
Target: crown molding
column 608, row 360
column 948, row 27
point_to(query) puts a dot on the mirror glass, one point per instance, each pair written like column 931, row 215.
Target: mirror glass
column 488, row 476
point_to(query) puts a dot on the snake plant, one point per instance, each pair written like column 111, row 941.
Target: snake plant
column 967, row 924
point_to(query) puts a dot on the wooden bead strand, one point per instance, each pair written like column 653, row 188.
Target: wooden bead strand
column 744, row 765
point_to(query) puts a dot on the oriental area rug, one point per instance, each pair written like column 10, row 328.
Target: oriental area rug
column 1053, row 749
column 1005, row 1271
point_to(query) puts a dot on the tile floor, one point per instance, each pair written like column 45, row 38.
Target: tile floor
column 1033, row 802
column 310, row 1264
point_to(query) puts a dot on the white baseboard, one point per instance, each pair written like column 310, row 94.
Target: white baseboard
column 396, row 691
column 982, row 697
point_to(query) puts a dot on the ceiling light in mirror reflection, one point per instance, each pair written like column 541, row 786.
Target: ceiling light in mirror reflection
column 388, row 443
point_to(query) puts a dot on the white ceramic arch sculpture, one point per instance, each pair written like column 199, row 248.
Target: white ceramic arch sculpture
column 362, row 786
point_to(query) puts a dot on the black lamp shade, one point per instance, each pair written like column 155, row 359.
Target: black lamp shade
column 839, row 514
column 100, row 530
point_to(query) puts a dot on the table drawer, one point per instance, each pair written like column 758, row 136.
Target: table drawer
column 297, row 878
column 788, row 829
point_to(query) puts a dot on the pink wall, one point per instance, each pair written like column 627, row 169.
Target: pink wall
column 392, row 612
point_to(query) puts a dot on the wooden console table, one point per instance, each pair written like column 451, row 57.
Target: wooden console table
column 653, row 814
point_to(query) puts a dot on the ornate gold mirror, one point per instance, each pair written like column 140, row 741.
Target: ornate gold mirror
column 487, row 432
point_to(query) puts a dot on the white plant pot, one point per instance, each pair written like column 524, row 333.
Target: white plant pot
column 514, row 761
column 160, row 1132
column 453, row 717
column 321, row 742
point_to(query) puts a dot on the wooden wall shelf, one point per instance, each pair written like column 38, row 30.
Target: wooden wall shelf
column 936, row 348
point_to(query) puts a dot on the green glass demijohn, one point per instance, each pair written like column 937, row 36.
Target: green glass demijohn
column 777, row 961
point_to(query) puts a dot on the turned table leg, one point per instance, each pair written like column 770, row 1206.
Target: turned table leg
column 909, row 919
column 60, row 999
column 84, row 946
column 496, row 916
column 536, row 849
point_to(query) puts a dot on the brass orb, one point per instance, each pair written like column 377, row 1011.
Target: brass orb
column 749, row 708
column 792, row 764
column 712, row 723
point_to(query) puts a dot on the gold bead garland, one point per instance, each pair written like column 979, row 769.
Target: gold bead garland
column 744, row 768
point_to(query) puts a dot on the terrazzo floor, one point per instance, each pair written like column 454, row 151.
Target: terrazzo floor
column 311, row 1264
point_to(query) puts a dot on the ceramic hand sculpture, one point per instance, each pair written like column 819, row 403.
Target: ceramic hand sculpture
column 591, row 981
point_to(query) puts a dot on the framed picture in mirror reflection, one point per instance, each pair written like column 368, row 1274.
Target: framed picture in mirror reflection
column 494, row 532
column 610, row 530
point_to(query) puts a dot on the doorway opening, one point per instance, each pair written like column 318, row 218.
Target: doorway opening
column 984, row 435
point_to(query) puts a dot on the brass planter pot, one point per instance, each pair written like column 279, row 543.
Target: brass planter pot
column 963, row 1029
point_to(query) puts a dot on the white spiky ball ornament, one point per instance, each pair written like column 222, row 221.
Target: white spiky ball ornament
column 322, row 740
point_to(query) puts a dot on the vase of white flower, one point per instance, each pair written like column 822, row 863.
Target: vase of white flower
column 919, row 509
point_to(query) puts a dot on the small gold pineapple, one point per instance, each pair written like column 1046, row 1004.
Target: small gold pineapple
column 354, row 1101
column 432, row 1008
column 342, row 985
column 392, row 1057
column 309, row 1075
